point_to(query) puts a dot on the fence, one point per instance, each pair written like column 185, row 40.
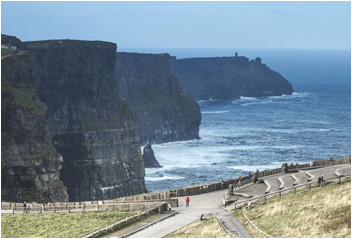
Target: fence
column 124, row 207
column 260, row 232
column 288, row 191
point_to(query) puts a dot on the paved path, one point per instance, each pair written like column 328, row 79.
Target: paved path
column 233, row 225
column 199, row 204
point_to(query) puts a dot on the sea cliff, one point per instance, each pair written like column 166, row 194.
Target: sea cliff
column 88, row 136
column 162, row 110
column 30, row 166
column 227, row 78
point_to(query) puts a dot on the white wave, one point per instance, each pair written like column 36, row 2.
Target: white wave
column 247, row 98
column 163, row 177
column 215, row 112
column 253, row 168
column 245, row 101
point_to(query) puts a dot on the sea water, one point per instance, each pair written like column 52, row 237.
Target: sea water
column 240, row 136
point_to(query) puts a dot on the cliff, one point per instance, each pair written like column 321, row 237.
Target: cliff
column 149, row 157
column 86, row 121
column 227, row 78
column 162, row 110
column 30, row 166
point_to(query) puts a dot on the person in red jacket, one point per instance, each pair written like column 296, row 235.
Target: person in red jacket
column 187, row 201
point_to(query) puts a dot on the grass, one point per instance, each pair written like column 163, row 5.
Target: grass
column 321, row 213
column 131, row 227
column 23, row 97
column 208, row 228
column 56, row 225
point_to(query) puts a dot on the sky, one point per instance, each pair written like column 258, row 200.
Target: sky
column 307, row 25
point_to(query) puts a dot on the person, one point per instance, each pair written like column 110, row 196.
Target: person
column 187, row 201
column 25, row 207
column 239, row 182
column 249, row 175
column 222, row 184
column 319, row 181
column 322, row 184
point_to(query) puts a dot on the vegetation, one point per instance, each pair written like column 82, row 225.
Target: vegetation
column 323, row 213
column 208, row 228
column 57, row 225
column 23, row 97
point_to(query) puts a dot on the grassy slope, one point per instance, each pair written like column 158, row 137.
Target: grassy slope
column 208, row 228
column 56, row 225
column 323, row 213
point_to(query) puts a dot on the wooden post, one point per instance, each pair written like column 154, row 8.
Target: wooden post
column 265, row 199
column 54, row 208
column 84, row 208
column 13, row 210
column 69, row 209
column 296, row 190
column 280, row 195
column 98, row 207
column 113, row 207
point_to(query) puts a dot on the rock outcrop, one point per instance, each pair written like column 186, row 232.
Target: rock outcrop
column 227, row 78
column 86, row 121
column 30, row 166
column 149, row 157
column 162, row 110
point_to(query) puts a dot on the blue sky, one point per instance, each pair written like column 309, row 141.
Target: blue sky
column 322, row 25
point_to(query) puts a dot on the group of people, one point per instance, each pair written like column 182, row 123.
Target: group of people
column 321, row 181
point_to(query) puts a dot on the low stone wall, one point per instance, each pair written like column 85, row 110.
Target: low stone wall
column 125, row 222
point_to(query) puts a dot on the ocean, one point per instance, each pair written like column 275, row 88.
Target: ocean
column 243, row 135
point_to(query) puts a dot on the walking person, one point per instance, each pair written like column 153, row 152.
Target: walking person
column 187, row 201
column 25, row 207
column 222, row 184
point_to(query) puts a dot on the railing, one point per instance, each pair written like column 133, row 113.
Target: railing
column 124, row 207
column 260, row 232
column 270, row 196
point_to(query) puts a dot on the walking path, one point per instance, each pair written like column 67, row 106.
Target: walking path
column 199, row 204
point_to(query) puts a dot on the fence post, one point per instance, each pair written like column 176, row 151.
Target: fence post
column 310, row 186
column 265, row 199
column 113, row 207
column 69, row 209
column 13, row 210
column 280, row 194
column 84, row 208
column 98, row 207
column 296, row 190
column 54, row 208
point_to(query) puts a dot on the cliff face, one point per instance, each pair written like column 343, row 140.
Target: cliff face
column 30, row 166
column 163, row 112
column 227, row 78
column 149, row 157
column 86, row 121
